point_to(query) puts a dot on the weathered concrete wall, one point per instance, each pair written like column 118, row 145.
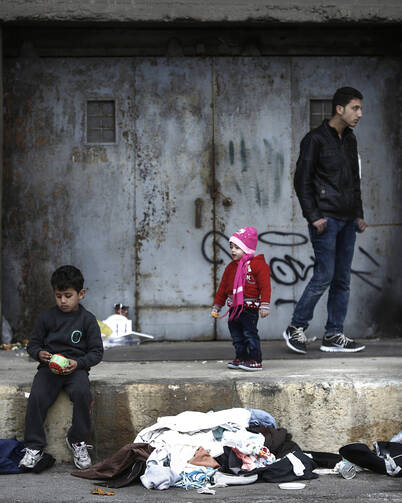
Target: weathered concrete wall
column 188, row 129
column 164, row 11
column 324, row 403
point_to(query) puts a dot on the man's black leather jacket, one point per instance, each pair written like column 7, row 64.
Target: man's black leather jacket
column 327, row 180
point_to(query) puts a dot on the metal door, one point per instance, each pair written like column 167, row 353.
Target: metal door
column 173, row 207
column 253, row 153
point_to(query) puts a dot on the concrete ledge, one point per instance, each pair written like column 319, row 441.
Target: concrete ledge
column 324, row 403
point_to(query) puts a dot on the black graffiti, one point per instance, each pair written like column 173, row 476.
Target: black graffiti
column 301, row 239
column 363, row 274
column 288, row 270
column 215, row 242
column 285, row 270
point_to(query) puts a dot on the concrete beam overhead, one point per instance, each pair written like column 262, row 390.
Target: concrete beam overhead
column 197, row 11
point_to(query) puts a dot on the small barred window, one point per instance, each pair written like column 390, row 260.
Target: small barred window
column 101, row 122
column 319, row 110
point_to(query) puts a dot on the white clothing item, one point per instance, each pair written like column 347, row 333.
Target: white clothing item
column 181, row 435
column 193, row 421
column 298, row 467
column 159, row 477
column 243, row 440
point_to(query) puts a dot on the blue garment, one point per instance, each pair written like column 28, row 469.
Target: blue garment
column 261, row 417
column 333, row 250
column 245, row 338
column 197, row 478
column 10, row 455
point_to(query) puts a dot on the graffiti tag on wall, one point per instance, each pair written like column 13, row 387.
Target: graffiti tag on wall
column 285, row 269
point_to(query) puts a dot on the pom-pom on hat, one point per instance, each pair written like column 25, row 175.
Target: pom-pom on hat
column 246, row 239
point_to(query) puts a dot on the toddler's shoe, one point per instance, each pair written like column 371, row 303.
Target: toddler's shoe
column 31, row 458
column 234, row 364
column 80, row 452
column 251, row 366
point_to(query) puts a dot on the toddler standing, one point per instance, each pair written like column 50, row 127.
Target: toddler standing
column 246, row 288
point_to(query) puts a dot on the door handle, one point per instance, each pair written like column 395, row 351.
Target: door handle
column 198, row 212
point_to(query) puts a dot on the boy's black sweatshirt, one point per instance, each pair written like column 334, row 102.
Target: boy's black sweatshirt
column 75, row 335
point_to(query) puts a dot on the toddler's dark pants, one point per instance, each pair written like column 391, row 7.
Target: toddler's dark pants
column 246, row 340
column 46, row 387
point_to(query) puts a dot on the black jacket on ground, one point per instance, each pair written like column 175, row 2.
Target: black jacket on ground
column 75, row 335
column 327, row 179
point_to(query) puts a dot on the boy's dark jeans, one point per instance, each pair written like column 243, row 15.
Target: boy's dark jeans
column 45, row 389
column 333, row 250
column 245, row 335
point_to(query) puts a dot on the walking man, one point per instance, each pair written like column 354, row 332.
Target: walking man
column 327, row 183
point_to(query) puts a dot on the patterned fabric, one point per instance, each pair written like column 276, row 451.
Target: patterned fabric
column 197, row 478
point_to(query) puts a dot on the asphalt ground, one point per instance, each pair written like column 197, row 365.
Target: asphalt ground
column 58, row 485
column 223, row 350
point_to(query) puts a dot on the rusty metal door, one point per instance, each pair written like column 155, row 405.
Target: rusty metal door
column 253, row 151
column 173, row 206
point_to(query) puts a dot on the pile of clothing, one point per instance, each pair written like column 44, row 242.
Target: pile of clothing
column 196, row 449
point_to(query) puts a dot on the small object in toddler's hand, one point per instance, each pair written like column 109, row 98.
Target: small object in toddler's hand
column 215, row 314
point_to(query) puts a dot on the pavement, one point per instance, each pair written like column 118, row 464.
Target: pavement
column 57, row 485
column 165, row 378
column 223, row 350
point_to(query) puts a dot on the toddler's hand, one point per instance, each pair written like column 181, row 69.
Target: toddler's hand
column 264, row 313
column 214, row 313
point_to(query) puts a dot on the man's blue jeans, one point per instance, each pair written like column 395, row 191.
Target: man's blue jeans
column 333, row 250
column 245, row 338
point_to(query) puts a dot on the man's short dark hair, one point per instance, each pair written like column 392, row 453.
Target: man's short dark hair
column 343, row 96
column 67, row 276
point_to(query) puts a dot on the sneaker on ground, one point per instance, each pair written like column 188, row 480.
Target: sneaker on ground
column 340, row 343
column 31, row 458
column 251, row 366
column 295, row 339
column 234, row 364
column 81, row 456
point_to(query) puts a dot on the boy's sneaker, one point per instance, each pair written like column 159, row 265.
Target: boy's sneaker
column 251, row 366
column 31, row 458
column 340, row 343
column 81, row 456
column 295, row 339
column 234, row 364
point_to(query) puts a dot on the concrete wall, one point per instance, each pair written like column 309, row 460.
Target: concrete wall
column 187, row 129
column 324, row 403
column 284, row 11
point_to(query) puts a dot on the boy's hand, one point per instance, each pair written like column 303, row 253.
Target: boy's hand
column 264, row 313
column 215, row 313
column 70, row 368
column 44, row 356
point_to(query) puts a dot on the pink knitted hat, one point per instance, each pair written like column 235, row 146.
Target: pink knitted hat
column 246, row 239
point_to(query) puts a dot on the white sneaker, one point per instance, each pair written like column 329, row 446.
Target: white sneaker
column 31, row 458
column 81, row 456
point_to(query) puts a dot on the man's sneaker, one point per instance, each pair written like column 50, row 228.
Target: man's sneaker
column 31, row 458
column 81, row 456
column 295, row 339
column 251, row 366
column 234, row 364
column 340, row 343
